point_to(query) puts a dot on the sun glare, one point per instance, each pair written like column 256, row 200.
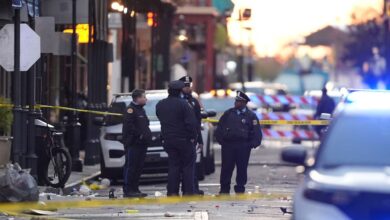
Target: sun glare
column 277, row 23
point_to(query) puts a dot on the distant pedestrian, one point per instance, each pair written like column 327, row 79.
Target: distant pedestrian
column 179, row 132
column 325, row 105
column 136, row 138
column 187, row 92
column 368, row 77
column 238, row 131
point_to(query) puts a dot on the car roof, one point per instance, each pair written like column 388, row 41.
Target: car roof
column 208, row 95
column 258, row 84
column 150, row 94
column 365, row 103
column 146, row 92
column 318, row 93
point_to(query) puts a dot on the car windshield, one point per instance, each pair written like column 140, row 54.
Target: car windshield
column 150, row 109
column 121, row 106
column 357, row 141
column 258, row 91
column 218, row 104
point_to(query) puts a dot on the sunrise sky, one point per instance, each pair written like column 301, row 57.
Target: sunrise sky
column 275, row 23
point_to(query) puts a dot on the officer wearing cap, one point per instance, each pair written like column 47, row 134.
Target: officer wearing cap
column 136, row 138
column 238, row 131
column 179, row 133
column 187, row 95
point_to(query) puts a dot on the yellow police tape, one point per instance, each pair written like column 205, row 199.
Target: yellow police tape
column 284, row 122
column 262, row 122
column 14, row 208
column 65, row 109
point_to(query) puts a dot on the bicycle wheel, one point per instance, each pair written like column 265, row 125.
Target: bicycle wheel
column 59, row 168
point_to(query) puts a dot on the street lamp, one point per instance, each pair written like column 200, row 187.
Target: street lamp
column 182, row 35
column 115, row 6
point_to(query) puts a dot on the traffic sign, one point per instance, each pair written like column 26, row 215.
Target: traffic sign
column 30, row 47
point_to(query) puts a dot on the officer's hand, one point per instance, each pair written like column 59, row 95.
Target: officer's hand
column 199, row 147
column 192, row 141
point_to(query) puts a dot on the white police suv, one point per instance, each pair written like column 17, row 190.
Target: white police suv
column 349, row 178
column 156, row 162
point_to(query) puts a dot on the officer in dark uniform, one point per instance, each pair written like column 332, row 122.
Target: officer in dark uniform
column 136, row 138
column 187, row 92
column 179, row 133
column 238, row 131
column 325, row 105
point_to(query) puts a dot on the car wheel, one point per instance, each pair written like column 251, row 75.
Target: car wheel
column 104, row 172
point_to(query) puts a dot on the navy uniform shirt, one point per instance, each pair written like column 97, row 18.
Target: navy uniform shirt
column 136, row 131
column 325, row 105
column 239, row 128
column 197, row 110
column 177, row 119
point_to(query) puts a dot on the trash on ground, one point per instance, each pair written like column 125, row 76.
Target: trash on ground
column 257, row 189
column 131, row 211
column 17, row 185
column 158, row 194
column 95, row 186
column 84, row 190
column 38, row 212
column 251, row 209
column 285, row 211
column 169, row 214
column 111, row 194
column 105, row 183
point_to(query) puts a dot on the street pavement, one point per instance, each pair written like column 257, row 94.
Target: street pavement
column 267, row 175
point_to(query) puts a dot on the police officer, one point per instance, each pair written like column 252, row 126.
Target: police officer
column 179, row 133
column 187, row 93
column 325, row 105
column 136, row 138
column 238, row 131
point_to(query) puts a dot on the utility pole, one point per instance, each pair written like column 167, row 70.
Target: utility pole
column 92, row 151
column 17, row 148
column 249, row 55
column 241, row 55
column 31, row 157
column 74, row 121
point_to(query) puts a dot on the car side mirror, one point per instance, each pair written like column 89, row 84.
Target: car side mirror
column 211, row 113
column 99, row 121
column 294, row 154
column 208, row 114
column 204, row 114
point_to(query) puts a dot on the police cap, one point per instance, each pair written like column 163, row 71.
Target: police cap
column 241, row 96
column 187, row 80
column 176, row 85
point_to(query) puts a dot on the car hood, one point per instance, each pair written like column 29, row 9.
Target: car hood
column 374, row 179
column 154, row 127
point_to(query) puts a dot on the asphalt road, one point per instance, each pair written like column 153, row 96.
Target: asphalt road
column 266, row 172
